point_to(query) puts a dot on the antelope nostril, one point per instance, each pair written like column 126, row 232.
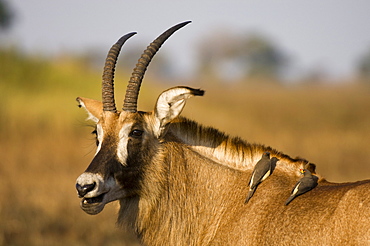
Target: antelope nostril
column 83, row 190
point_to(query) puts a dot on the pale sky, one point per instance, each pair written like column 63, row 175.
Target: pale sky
column 331, row 34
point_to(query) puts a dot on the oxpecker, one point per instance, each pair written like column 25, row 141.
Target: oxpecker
column 262, row 170
column 307, row 183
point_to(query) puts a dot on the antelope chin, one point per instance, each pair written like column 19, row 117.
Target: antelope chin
column 93, row 205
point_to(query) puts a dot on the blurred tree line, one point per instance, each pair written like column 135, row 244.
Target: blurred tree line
column 221, row 56
column 363, row 67
column 6, row 15
column 235, row 57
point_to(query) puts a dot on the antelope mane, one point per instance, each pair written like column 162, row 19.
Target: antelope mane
column 225, row 150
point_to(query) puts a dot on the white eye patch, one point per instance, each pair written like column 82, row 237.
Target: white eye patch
column 99, row 135
column 122, row 143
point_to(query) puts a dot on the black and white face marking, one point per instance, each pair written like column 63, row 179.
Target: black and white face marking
column 110, row 176
column 123, row 137
column 99, row 137
column 126, row 142
column 97, row 186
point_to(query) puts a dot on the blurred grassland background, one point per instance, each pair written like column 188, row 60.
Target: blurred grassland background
column 45, row 142
column 295, row 106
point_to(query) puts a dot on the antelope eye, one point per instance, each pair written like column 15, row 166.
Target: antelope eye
column 136, row 133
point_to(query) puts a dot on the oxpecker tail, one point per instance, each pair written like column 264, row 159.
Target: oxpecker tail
column 250, row 194
column 289, row 200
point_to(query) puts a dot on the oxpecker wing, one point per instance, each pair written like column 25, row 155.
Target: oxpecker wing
column 305, row 184
column 262, row 170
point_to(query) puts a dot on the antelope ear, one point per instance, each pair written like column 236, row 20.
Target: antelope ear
column 93, row 108
column 170, row 104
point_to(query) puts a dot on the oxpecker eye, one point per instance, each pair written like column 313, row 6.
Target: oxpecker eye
column 136, row 133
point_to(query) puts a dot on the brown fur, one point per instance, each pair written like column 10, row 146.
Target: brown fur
column 180, row 183
column 188, row 197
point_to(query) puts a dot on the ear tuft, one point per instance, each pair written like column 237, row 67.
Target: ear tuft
column 197, row 92
column 79, row 103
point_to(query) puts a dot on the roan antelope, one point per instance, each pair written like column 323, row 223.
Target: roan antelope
column 181, row 183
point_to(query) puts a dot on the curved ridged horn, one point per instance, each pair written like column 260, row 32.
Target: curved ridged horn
column 133, row 87
column 108, row 74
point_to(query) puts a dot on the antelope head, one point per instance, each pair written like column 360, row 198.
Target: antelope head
column 126, row 139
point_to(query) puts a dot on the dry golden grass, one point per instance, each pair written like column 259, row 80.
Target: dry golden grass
column 45, row 144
